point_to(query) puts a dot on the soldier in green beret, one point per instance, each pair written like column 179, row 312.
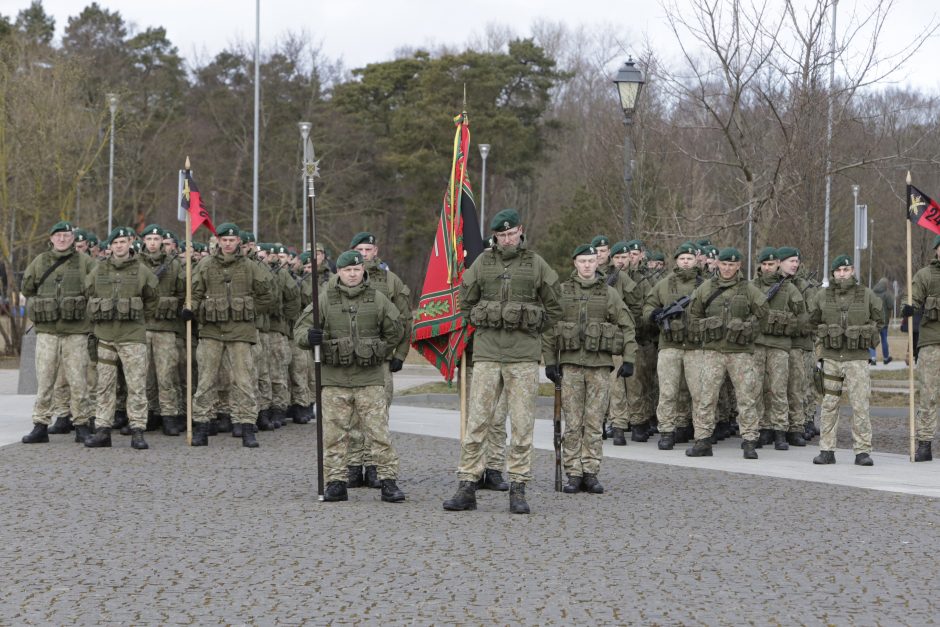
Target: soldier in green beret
column 848, row 316
column 284, row 313
column 639, row 396
column 601, row 244
column 925, row 296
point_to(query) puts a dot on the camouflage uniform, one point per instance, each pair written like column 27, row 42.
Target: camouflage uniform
column 925, row 295
column 163, row 384
column 640, row 386
column 495, row 441
column 803, row 395
column 286, row 311
column 633, row 296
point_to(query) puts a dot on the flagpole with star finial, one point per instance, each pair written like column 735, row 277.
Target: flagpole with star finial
column 910, row 327
column 188, row 255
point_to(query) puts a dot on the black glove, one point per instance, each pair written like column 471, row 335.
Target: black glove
column 553, row 373
column 626, row 370
column 395, row 364
column 655, row 314
column 907, row 311
column 187, row 314
column 315, row 337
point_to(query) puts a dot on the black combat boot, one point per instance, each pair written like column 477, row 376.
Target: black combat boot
column 699, row 448
column 766, row 436
column 238, row 429
column 795, row 438
column 225, row 422
column 573, row 486
column 137, row 440
column 278, row 417
column 517, row 504
column 923, row 453
column 169, row 425
column 81, row 433
column 863, row 459
column 667, row 441
column 493, row 480
column 372, row 477
column 264, row 420
column 723, row 429
column 101, row 438
column 750, row 449
column 464, row 499
column 39, row 434
column 616, row 434
column 391, row 493
column 335, row 491
column 780, row 441
column 641, row 432
column 200, row 434
column 356, row 477
column 300, row 415
column 248, row 436
column 120, row 419
column 63, row 424
column 684, row 434
column 153, row 421
column 213, row 426
column 125, row 430
column 591, row 485
column 825, row 457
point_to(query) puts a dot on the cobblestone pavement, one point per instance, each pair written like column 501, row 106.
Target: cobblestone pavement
column 225, row 535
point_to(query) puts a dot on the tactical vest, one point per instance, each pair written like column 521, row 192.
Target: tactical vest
column 678, row 327
column 847, row 324
column 277, row 294
column 228, row 292
column 117, row 293
column 508, row 298
column 779, row 321
column 60, row 295
column 168, row 305
column 728, row 317
column 351, row 331
column 584, row 323
column 932, row 302
column 378, row 280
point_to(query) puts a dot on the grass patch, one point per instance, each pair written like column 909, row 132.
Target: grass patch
column 442, row 387
column 893, row 375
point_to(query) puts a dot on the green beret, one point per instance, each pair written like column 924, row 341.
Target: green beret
column 153, row 229
column 349, row 258
column 58, row 227
column 584, row 249
column 362, row 238
column 80, row 235
column 936, row 242
column 657, row 256
column 710, row 252
column 618, row 249
column 767, row 253
column 634, row 244
column 600, row 240
column 121, row 231
column 702, row 243
column 842, row 261
column 92, row 238
column 168, row 234
column 305, row 257
column 321, row 248
column 228, row 229
column 278, row 249
column 137, row 245
column 505, row 220
column 685, row 248
column 247, row 236
column 729, row 254
column 785, row 252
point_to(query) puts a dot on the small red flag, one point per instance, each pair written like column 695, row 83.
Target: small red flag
column 192, row 202
column 923, row 210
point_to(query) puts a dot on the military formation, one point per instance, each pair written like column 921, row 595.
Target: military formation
column 691, row 351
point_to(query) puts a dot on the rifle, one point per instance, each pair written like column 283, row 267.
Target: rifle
column 613, row 276
column 774, row 289
column 673, row 310
column 556, row 423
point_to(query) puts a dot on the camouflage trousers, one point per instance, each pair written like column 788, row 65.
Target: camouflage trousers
column 810, row 396
column 727, row 401
column 739, row 367
column 928, row 391
column 358, row 450
column 163, row 386
column 773, row 367
column 521, row 382
column 278, row 364
column 675, row 402
column 583, row 401
column 261, row 354
column 796, row 383
column 131, row 358
column 300, row 392
column 640, row 385
column 68, row 354
column 214, row 356
column 857, row 383
column 618, row 408
column 60, row 395
column 181, row 371
column 494, row 446
column 368, row 404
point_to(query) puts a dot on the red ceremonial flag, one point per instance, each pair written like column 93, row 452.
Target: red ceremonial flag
column 192, row 202
column 923, row 210
column 440, row 333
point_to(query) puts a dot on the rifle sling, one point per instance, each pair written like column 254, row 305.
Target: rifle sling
column 715, row 295
column 51, row 269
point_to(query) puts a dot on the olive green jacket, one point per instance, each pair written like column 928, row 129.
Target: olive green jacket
column 628, row 289
column 730, row 323
column 287, row 306
column 786, row 312
column 260, row 290
column 804, row 340
column 172, row 287
column 396, row 291
column 65, row 282
column 925, row 292
column 121, row 283
column 666, row 292
column 837, row 309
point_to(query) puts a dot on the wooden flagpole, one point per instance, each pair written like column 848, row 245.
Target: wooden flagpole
column 910, row 327
column 189, row 323
column 463, row 395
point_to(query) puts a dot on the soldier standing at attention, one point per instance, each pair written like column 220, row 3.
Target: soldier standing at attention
column 639, row 403
column 802, row 350
column 510, row 294
column 54, row 284
column 925, row 293
column 357, row 330
column 724, row 312
column 122, row 295
column 595, row 324
column 848, row 317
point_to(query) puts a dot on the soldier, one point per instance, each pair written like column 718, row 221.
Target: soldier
column 54, row 284
column 925, row 294
column 510, row 294
column 229, row 291
column 283, row 315
column 802, row 352
column 122, row 296
column 679, row 362
column 601, row 244
column 848, row 316
column 263, row 351
column 358, row 328
column 361, row 469
column 639, row 403
column 163, row 384
column 595, row 325
column 785, row 312
column 724, row 315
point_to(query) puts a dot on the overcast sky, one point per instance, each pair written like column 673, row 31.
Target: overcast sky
column 364, row 31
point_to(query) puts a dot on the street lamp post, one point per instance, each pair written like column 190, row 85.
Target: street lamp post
column 871, row 241
column 484, row 152
column 304, row 134
column 629, row 82
column 112, row 104
column 858, row 245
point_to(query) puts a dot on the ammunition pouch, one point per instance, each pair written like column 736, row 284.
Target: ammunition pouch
column 487, row 314
column 339, row 352
column 696, row 331
column 167, row 308
column 863, row 336
column 740, row 332
column 72, row 308
column 932, row 309
column 370, row 352
column 779, row 323
column 510, row 315
column 92, row 348
column 128, row 308
column 241, row 309
column 612, row 340
column 713, row 329
column 568, row 336
column 831, row 335
column 101, row 309
column 676, row 333
column 592, row 337
column 42, row 309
